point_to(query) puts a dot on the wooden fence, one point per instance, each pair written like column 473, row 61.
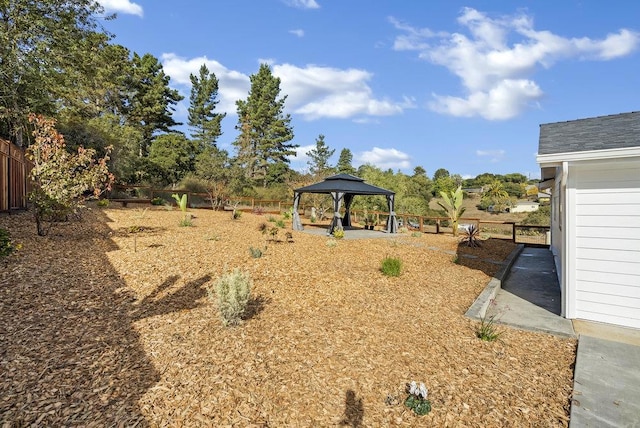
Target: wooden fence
column 519, row 233
column 14, row 177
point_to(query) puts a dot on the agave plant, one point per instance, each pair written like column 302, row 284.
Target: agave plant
column 472, row 236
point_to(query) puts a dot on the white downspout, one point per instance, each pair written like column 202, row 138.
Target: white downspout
column 565, row 292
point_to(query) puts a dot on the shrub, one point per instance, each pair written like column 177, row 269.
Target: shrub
column 391, row 266
column 286, row 215
column 271, row 219
column 158, row 201
column 416, row 234
column 236, row 215
column 233, row 292
column 186, row 221
column 417, row 399
column 331, row 243
column 338, row 233
column 103, row 203
column 256, row 253
column 7, row 246
column 280, row 223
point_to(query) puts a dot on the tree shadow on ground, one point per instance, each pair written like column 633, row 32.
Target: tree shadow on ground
column 69, row 355
column 186, row 297
column 353, row 410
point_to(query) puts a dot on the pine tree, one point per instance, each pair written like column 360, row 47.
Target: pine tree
column 205, row 124
column 152, row 102
column 344, row 162
column 265, row 131
column 320, row 154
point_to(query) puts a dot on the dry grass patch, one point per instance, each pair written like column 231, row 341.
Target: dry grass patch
column 93, row 331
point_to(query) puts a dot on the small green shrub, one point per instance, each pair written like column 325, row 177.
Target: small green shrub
column 417, row 399
column 186, row 221
column 271, row 219
column 487, row 330
column 313, row 219
column 134, row 229
column 232, row 292
column 416, row 234
column 280, row 223
column 286, row 215
column 236, row 215
column 391, row 266
column 256, row 253
column 103, row 203
column 158, row 201
column 403, row 229
column 338, row 233
column 331, row 243
column 7, row 246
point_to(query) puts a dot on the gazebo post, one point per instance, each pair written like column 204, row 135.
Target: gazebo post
column 297, row 223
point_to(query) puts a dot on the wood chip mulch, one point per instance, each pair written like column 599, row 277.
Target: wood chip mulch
column 100, row 326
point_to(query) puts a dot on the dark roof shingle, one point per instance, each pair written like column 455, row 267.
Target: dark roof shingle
column 597, row 133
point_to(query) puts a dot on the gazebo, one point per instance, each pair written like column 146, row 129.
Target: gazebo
column 343, row 187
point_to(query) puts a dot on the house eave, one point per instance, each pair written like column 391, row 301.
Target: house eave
column 556, row 159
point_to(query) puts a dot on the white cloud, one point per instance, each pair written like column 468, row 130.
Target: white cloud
column 232, row 85
column 123, row 6
column 298, row 32
column 313, row 92
column 301, row 154
column 302, row 4
column 491, row 155
column 497, row 57
column 384, row 158
column 324, row 92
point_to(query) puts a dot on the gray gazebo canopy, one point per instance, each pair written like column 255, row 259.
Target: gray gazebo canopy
column 343, row 187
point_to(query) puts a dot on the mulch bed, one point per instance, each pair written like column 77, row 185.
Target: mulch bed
column 103, row 326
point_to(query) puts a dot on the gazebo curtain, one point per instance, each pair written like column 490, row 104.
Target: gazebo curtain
column 337, row 221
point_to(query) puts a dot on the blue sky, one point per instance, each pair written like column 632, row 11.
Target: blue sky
column 438, row 84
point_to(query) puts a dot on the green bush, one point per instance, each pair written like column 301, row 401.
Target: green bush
column 541, row 217
column 103, row 203
column 280, row 223
column 256, row 253
column 338, row 233
column 7, row 246
column 158, row 201
column 391, row 266
column 232, row 292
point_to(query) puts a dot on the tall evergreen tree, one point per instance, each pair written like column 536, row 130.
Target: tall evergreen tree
column 344, row 165
column 265, row 131
column 41, row 43
column 152, row 101
column 204, row 123
column 320, row 154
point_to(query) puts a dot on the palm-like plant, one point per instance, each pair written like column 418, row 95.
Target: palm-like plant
column 452, row 204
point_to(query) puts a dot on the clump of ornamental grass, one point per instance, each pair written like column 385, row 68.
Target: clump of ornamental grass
column 232, row 293
column 391, row 266
column 487, row 329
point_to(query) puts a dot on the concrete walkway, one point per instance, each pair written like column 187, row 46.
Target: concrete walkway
column 606, row 391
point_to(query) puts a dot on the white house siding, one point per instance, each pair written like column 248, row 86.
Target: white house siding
column 606, row 242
